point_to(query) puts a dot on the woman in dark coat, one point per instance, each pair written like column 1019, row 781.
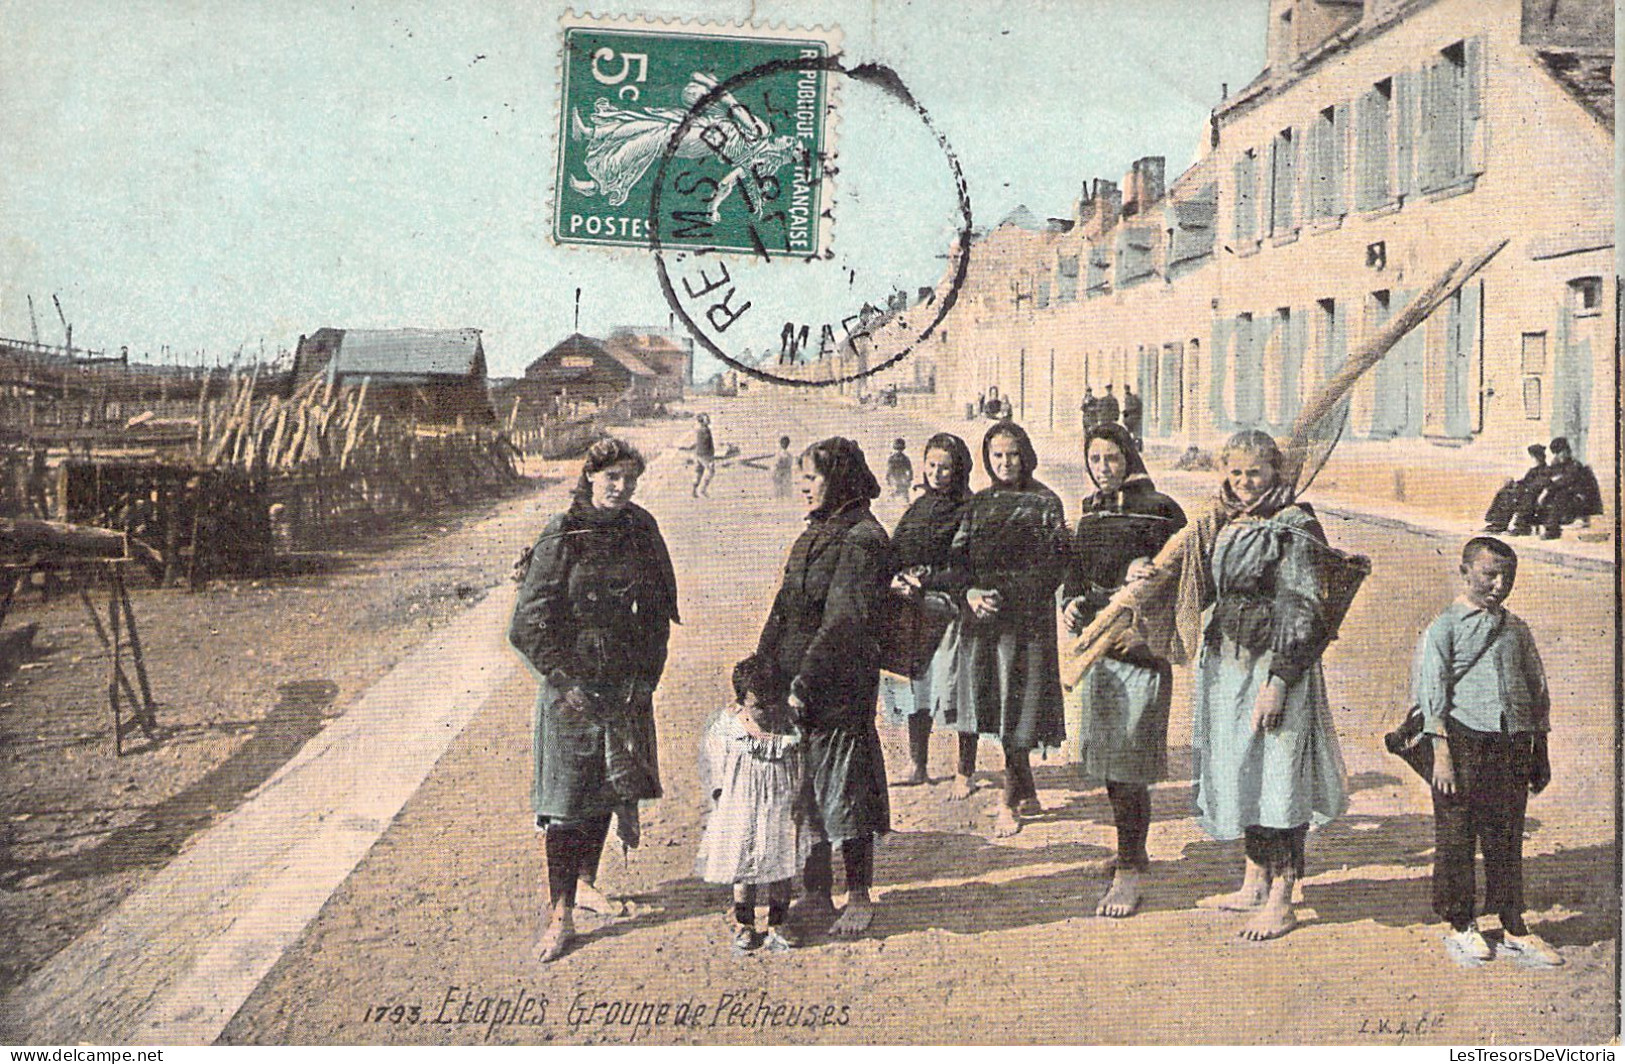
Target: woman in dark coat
column 923, row 607
column 1010, row 557
column 594, row 612
column 1118, row 713
column 823, row 632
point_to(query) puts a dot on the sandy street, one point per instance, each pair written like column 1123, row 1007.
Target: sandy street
column 975, row 941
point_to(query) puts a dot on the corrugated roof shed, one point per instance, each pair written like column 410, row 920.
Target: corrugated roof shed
column 416, row 352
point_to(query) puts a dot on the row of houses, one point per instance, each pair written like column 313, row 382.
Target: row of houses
column 439, row 376
column 1385, row 139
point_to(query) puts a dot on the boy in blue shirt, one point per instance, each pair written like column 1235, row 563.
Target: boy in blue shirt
column 1482, row 692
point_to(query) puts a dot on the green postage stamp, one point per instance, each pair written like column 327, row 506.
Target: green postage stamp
column 733, row 119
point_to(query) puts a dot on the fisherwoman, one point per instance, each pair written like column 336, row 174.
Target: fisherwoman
column 1118, row 713
column 1009, row 557
column 593, row 616
column 1267, row 756
column 921, row 648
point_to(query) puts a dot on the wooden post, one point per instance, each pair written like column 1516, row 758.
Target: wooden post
column 113, row 655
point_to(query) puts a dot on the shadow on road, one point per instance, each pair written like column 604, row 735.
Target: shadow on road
column 160, row 831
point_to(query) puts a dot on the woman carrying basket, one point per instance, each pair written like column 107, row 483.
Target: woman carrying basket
column 1267, row 757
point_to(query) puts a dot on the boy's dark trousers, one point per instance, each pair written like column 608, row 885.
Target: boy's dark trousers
column 1492, row 792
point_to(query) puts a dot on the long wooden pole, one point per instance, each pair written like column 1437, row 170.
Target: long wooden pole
column 1116, row 618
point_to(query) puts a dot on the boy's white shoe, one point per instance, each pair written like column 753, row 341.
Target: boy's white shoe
column 1531, row 949
column 1469, row 944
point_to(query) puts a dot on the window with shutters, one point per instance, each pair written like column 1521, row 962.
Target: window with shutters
column 1098, row 281
column 1585, row 296
column 1135, row 262
column 1373, row 160
column 1066, row 279
column 1449, row 109
column 1533, row 367
column 1283, row 171
column 1190, row 237
column 1245, row 218
column 1326, row 183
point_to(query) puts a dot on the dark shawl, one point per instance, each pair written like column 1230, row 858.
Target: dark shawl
column 598, row 598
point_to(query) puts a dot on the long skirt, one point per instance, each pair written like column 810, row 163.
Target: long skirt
column 903, row 697
column 1117, row 718
column 846, row 781
column 590, row 762
column 1007, row 685
column 1246, row 778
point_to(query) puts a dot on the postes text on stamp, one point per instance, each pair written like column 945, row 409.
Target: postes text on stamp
column 750, row 166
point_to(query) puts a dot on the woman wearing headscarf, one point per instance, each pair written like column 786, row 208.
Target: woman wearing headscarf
column 593, row 616
column 919, row 644
column 823, row 632
column 1118, row 713
column 1009, row 557
column 1267, row 758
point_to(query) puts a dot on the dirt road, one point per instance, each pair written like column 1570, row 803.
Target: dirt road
column 975, row 941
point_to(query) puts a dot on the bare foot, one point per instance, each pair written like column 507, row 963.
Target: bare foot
column 812, row 910
column 1255, row 886
column 1245, row 900
column 913, row 779
column 855, row 918
column 556, row 940
column 1006, row 823
column 1100, row 866
column 1030, row 807
column 1273, row 920
column 1124, row 896
column 963, row 787
column 593, row 900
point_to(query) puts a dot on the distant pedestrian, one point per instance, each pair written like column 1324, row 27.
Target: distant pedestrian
column 1106, row 412
column 593, row 618
column 705, row 456
column 752, row 769
column 1514, row 504
column 899, row 470
column 1479, row 683
column 1089, row 409
column 784, row 465
column 1133, row 413
column 1571, row 492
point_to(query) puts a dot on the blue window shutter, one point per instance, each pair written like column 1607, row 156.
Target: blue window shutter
column 1405, row 129
column 1472, row 128
column 1427, row 109
column 1338, row 167
column 1222, row 339
column 1312, row 161
column 1365, row 152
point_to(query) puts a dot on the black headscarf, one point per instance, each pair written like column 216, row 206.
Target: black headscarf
column 846, row 474
column 927, row 527
column 1029, row 457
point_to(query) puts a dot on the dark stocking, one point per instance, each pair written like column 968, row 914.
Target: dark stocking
column 919, row 738
column 1131, row 809
column 1018, row 777
column 967, row 753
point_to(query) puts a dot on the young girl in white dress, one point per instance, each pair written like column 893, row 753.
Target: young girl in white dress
column 752, row 766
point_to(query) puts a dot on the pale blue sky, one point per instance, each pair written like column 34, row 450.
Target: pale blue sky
column 208, row 173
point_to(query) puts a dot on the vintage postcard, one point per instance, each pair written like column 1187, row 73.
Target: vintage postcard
column 849, row 522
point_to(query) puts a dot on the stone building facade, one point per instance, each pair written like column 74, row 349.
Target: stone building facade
column 1383, row 141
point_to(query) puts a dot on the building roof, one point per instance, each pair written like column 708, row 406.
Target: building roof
column 416, row 352
column 1589, row 78
column 579, row 344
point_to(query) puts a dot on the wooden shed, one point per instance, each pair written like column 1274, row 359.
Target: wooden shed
column 436, row 376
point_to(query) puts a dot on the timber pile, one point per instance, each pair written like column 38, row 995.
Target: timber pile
column 256, row 470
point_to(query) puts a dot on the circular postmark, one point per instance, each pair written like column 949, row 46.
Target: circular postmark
column 672, row 203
